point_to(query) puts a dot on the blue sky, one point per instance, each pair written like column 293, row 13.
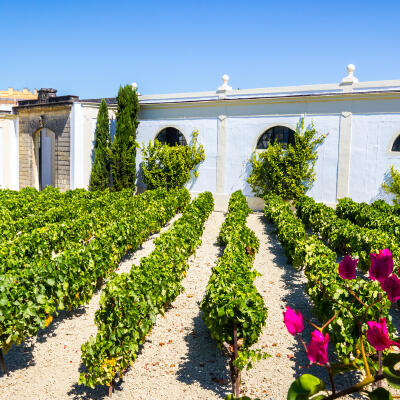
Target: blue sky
column 88, row 48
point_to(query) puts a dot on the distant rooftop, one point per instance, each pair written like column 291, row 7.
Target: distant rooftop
column 11, row 96
column 46, row 97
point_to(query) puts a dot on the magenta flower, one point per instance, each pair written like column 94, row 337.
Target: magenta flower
column 347, row 268
column 377, row 335
column 317, row 351
column 391, row 286
column 381, row 265
column 293, row 321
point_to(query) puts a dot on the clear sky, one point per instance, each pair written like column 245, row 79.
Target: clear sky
column 88, row 48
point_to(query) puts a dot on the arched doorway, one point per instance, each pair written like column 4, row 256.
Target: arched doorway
column 44, row 158
column 171, row 136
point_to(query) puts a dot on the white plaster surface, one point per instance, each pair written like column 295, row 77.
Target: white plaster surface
column 8, row 154
column 366, row 157
column 370, row 161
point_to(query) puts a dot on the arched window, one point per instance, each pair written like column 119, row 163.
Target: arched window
column 172, row 137
column 396, row 144
column 281, row 134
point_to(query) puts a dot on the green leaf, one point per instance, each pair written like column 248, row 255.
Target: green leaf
column 391, row 374
column 41, row 299
column 340, row 368
column 304, row 387
column 380, row 394
column 51, row 281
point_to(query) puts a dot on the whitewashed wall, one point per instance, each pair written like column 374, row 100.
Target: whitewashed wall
column 9, row 154
column 364, row 130
column 326, row 167
column 371, row 156
column 85, row 118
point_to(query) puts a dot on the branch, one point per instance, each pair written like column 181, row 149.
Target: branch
column 356, row 388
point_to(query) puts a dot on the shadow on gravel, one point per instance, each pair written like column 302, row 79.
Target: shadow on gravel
column 296, row 298
column 204, row 362
column 81, row 392
column 21, row 356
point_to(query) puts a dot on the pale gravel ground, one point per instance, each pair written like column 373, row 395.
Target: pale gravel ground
column 179, row 360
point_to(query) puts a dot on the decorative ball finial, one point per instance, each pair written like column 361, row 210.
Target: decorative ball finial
column 224, row 87
column 350, row 78
column 134, row 85
column 351, row 68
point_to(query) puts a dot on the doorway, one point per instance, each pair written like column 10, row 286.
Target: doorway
column 44, row 159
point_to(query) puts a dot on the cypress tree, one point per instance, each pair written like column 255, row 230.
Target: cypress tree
column 124, row 144
column 100, row 174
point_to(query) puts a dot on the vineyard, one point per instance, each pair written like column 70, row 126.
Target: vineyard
column 158, row 296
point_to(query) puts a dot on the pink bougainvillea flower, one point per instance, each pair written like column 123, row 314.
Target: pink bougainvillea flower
column 293, row 321
column 377, row 335
column 317, row 351
column 347, row 268
column 391, row 286
column 381, row 265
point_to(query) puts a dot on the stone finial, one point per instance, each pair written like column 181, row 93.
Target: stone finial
column 350, row 78
column 134, row 85
column 224, row 87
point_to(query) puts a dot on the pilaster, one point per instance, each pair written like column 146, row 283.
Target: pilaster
column 344, row 155
column 221, row 150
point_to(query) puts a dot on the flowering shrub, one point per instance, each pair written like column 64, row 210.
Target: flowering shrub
column 374, row 367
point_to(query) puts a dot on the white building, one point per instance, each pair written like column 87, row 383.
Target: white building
column 361, row 120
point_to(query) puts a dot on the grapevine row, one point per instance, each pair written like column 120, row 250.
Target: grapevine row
column 233, row 310
column 328, row 292
column 69, row 208
column 32, row 247
column 131, row 301
column 18, row 205
column 28, row 299
column 368, row 216
column 344, row 236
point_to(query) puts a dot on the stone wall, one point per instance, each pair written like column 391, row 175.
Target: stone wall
column 56, row 119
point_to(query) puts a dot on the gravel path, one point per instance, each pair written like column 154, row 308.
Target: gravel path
column 179, row 360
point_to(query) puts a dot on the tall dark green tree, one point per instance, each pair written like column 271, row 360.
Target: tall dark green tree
column 100, row 175
column 124, row 144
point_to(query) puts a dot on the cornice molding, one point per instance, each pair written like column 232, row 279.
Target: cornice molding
column 277, row 100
